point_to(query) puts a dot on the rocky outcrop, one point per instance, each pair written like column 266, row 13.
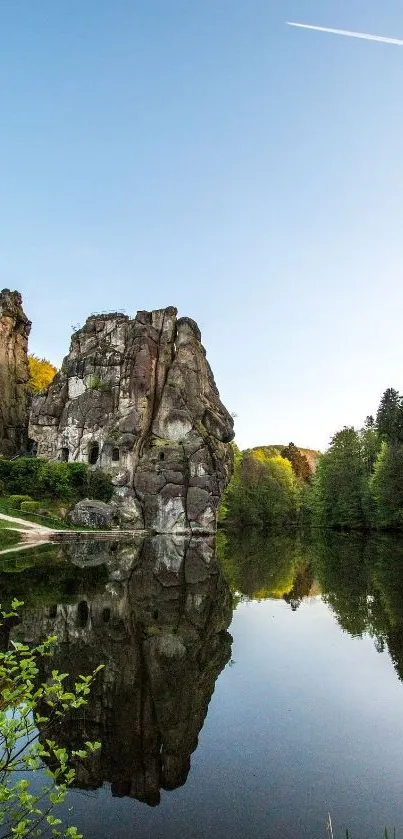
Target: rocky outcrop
column 158, row 623
column 14, row 374
column 93, row 514
column 137, row 398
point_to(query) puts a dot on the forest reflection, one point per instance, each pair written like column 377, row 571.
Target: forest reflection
column 260, row 567
column 360, row 578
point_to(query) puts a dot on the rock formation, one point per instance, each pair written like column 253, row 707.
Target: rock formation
column 14, row 374
column 137, row 398
column 158, row 623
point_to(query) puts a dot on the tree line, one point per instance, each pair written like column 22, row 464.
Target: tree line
column 357, row 483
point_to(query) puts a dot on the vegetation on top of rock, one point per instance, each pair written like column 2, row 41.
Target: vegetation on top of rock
column 41, row 373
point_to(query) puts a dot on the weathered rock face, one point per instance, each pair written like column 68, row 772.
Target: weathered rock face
column 137, row 398
column 14, row 374
column 159, row 625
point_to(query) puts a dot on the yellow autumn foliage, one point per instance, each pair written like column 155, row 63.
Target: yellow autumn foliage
column 42, row 373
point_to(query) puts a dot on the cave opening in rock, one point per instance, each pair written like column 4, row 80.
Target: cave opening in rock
column 32, row 447
column 106, row 615
column 115, row 453
column 82, row 614
column 64, row 454
column 162, row 456
column 93, row 454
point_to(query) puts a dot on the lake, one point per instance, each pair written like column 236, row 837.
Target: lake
column 247, row 691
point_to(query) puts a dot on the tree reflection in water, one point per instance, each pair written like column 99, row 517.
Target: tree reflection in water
column 359, row 577
column 260, row 567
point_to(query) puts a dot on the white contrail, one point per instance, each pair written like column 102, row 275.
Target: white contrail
column 348, row 33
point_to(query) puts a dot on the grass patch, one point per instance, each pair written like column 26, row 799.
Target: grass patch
column 47, row 521
column 8, row 538
column 8, row 525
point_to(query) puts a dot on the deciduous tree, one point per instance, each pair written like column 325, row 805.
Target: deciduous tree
column 42, row 373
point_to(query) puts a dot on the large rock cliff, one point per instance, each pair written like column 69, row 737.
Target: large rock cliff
column 158, row 622
column 137, row 398
column 14, row 374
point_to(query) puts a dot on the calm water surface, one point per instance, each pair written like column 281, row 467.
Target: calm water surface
column 242, row 696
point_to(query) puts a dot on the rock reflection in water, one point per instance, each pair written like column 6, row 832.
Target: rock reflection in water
column 159, row 625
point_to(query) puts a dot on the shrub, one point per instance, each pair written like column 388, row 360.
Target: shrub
column 47, row 479
column 21, row 475
column 17, row 500
column 99, row 485
column 95, row 383
column 30, row 506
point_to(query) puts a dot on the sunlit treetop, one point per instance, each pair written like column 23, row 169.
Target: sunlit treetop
column 42, row 373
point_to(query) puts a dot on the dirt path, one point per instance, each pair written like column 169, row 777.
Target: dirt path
column 27, row 525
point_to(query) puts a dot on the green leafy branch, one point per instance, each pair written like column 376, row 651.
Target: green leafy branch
column 29, row 707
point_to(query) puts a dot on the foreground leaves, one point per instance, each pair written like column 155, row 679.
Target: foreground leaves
column 26, row 705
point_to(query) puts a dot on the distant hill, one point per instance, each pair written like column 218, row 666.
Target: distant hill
column 311, row 455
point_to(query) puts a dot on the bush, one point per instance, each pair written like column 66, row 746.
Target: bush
column 20, row 475
column 30, row 506
column 99, row 485
column 17, row 500
column 46, row 479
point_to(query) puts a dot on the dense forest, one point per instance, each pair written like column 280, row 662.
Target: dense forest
column 357, row 483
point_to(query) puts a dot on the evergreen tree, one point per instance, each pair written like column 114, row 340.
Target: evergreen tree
column 340, row 489
column 371, row 444
column 387, row 486
column 389, row 417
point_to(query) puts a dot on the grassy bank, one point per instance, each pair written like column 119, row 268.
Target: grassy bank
column 8, row 537
column 47, row 519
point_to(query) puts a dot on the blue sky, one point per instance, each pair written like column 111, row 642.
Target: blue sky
column 202, row 154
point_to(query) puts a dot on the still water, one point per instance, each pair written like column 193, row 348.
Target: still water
column 244, row 695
